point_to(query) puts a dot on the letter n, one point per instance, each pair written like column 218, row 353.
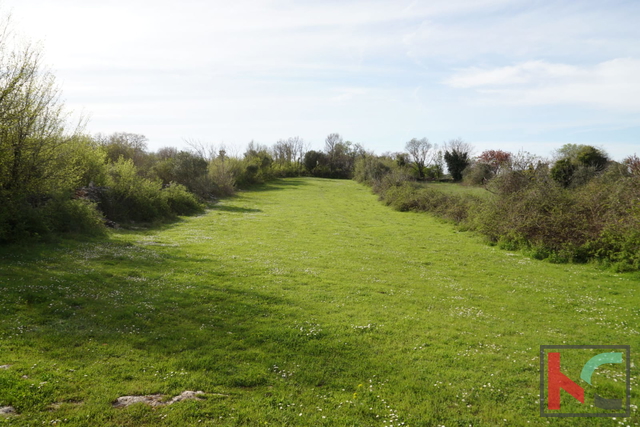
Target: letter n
column 557, row 380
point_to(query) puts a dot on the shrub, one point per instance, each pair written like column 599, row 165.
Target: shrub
column 131, row 197
column 221, row 172
column 36, row 218
column 616, row 240
column 19, row 220
column 370, row 169
column 477, row 174
column 591, row 156
column 316, row 161
column 562, row 171
column 73, row 216
column 401, row 197
column 599, row 219
column 180, row 200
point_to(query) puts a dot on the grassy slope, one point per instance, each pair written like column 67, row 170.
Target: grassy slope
column 308, row 297
column 458, row 189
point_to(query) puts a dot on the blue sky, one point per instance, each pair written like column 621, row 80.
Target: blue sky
column 500, row 74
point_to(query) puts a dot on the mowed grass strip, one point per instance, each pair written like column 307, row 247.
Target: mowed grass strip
column 304, row 303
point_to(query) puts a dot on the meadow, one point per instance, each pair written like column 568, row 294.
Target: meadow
column 458, row 189
column 304, row 302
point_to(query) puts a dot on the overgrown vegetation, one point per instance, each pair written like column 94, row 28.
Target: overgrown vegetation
column 57, row 179
column 581, row 207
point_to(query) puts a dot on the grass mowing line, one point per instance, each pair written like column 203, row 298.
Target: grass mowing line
column 304, row 303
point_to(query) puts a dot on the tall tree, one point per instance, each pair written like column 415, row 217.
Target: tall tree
column 332, row 147
column 127, row 145
column 457, row 155
column 420, row 151
column 577, row 164
column 32, row 124
column 497, row 160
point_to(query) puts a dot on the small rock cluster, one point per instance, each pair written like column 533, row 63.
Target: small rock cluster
column 155, row 399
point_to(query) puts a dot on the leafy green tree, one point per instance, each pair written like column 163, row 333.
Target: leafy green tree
column 128, row 146
column 591, row 156
column 256, row 167
column 568, row 151
column 578, row 164
column 41, row 162
column 315, row 160
column 402, row 159
column 562, row 171
column 184, row 168
column 32, row 126
column 457, row 155
column 370, row 168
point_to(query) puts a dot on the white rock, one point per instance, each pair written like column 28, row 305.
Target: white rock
column 7, row 410
column 155, row 399
column 124, row 401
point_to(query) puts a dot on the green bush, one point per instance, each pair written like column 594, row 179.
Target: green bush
column 188, row 169
column 180, row 200
column 131, row 197
column 598, row 220
column 562, row 171
column 401, row 197
column 617, row 239
column 370, row 169
column 221, row 172
column 477, row 173
column 20, row 220
column 73, row 216
column 32, row 218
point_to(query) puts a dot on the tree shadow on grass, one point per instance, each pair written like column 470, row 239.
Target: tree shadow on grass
column 278, row 184
column 111, row 311
column 233, row 209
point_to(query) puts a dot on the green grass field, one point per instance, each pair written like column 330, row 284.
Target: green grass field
column 305, row 303
column 458, row 189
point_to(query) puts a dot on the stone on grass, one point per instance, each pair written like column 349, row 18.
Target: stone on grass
column 7, row 410
column 155, row 399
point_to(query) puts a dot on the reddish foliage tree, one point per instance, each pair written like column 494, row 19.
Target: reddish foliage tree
column 496, row 159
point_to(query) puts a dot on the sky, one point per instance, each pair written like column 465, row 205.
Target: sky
column 500, row 74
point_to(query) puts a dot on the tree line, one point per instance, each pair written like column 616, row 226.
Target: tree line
column 579, row 205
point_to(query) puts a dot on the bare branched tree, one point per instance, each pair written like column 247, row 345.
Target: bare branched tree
column 206, row 151
column 421, row 152
column 459, row 145
column 299, row 147
column 289, row 151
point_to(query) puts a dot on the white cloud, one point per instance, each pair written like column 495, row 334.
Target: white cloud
column 521, row 30
column 613, row 84
column 527, row 72
column 266, row 69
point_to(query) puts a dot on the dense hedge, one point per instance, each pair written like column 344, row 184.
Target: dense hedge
column 528, row 209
